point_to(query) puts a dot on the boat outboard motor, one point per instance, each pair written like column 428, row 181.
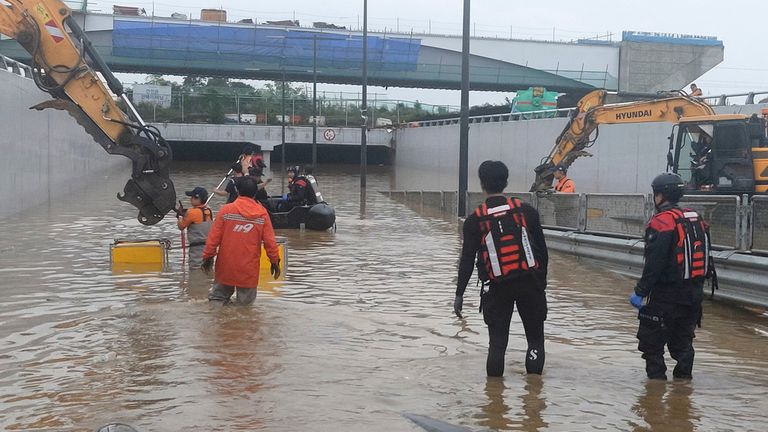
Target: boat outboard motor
column 320, row 217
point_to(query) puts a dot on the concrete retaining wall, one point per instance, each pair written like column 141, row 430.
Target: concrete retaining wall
column 625, row 157
column 43, row 153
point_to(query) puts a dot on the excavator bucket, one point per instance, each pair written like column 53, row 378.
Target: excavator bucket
column 150, row 188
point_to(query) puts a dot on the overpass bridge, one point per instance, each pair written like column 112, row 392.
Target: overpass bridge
column 641, row 62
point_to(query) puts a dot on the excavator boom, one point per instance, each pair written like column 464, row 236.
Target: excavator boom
column 591, row 112
column 60, row 64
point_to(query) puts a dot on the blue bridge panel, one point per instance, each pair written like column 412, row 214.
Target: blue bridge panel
column 290, row 49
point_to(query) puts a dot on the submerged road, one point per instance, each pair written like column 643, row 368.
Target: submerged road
column 360, row 332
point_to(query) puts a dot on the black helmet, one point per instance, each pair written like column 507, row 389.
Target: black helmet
column 670, row 185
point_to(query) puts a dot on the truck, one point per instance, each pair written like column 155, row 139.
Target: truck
column 713, row 153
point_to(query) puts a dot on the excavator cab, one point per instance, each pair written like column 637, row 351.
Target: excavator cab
column 721, row 154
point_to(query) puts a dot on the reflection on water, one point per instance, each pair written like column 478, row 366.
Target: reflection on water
column 359, row 332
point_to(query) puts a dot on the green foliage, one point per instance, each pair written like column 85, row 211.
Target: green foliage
column 212, row 100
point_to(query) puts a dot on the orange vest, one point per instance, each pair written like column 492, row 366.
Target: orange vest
column 565, row 185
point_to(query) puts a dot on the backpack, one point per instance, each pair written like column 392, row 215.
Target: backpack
column 505, row 252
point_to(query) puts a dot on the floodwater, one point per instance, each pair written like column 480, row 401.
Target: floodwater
column 360, row 332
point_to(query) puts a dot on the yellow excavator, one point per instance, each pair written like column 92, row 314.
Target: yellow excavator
column 714, row 153
column 65, row 65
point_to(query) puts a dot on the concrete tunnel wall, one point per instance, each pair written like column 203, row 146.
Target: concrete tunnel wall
column 625, row 157
column 43, row 152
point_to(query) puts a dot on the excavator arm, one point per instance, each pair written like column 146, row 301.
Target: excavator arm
column 65, row 66
column 591, row 112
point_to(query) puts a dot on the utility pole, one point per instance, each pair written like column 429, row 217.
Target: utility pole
column 314, row 101
column 282, row 122
column 364, row 108
column 464, row 122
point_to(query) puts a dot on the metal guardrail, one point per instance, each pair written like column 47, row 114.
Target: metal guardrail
column 15, row 67
column 739, row 227
column 626, row 214
column 759, row 224
column 494, row 118
column 737, row 223
column 722, row 213
column 720, row 100
column 560, row 210
column 742, row 276
column 610, row 229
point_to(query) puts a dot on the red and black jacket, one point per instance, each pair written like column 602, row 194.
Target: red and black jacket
column 677, row 257
column 297, row 191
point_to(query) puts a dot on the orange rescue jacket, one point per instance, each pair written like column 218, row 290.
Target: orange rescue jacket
column 565, row 185
column 238, row 233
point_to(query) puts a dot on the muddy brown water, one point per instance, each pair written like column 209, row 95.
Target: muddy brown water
column 360, row 332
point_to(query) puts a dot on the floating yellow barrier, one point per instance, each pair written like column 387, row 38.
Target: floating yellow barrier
column 264, row 266
column 139, row 256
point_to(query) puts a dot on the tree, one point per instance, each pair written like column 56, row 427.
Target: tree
column 191, row 82
column 157, row 79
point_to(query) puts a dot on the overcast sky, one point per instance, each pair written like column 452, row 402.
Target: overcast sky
column 740, row 24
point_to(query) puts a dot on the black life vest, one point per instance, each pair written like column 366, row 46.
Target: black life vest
column 692, row 244
column 505, row 251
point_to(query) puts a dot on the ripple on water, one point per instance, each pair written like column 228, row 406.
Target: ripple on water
column 360, row 331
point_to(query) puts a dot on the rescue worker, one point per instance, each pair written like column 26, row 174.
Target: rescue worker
column 506, row 238
column 236, row 239
column 564, row 184
column 696, row 91
column 197, row 221
column 230, row 191
column 677, row 261
column 298, row 188
column 261, row 196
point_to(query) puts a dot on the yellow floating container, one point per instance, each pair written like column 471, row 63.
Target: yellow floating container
column 264, row 265
column 139, row 255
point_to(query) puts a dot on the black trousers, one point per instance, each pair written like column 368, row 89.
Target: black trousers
column 675, row 328
column 498, row 304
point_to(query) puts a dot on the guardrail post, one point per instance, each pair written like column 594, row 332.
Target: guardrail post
column 650, row 207
column 745, row 223
column 582, row 223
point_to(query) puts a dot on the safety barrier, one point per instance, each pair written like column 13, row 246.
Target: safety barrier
column 560, row 210
column 15, row 67
column 624, row 214
column 759, row 225
column 737, row 222
column 608, row 229
column 723, row 213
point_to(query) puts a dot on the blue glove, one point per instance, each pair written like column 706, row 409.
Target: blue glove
column 285, row 197
column 636, row 300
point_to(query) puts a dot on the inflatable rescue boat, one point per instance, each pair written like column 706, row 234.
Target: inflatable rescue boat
column 316, row 214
